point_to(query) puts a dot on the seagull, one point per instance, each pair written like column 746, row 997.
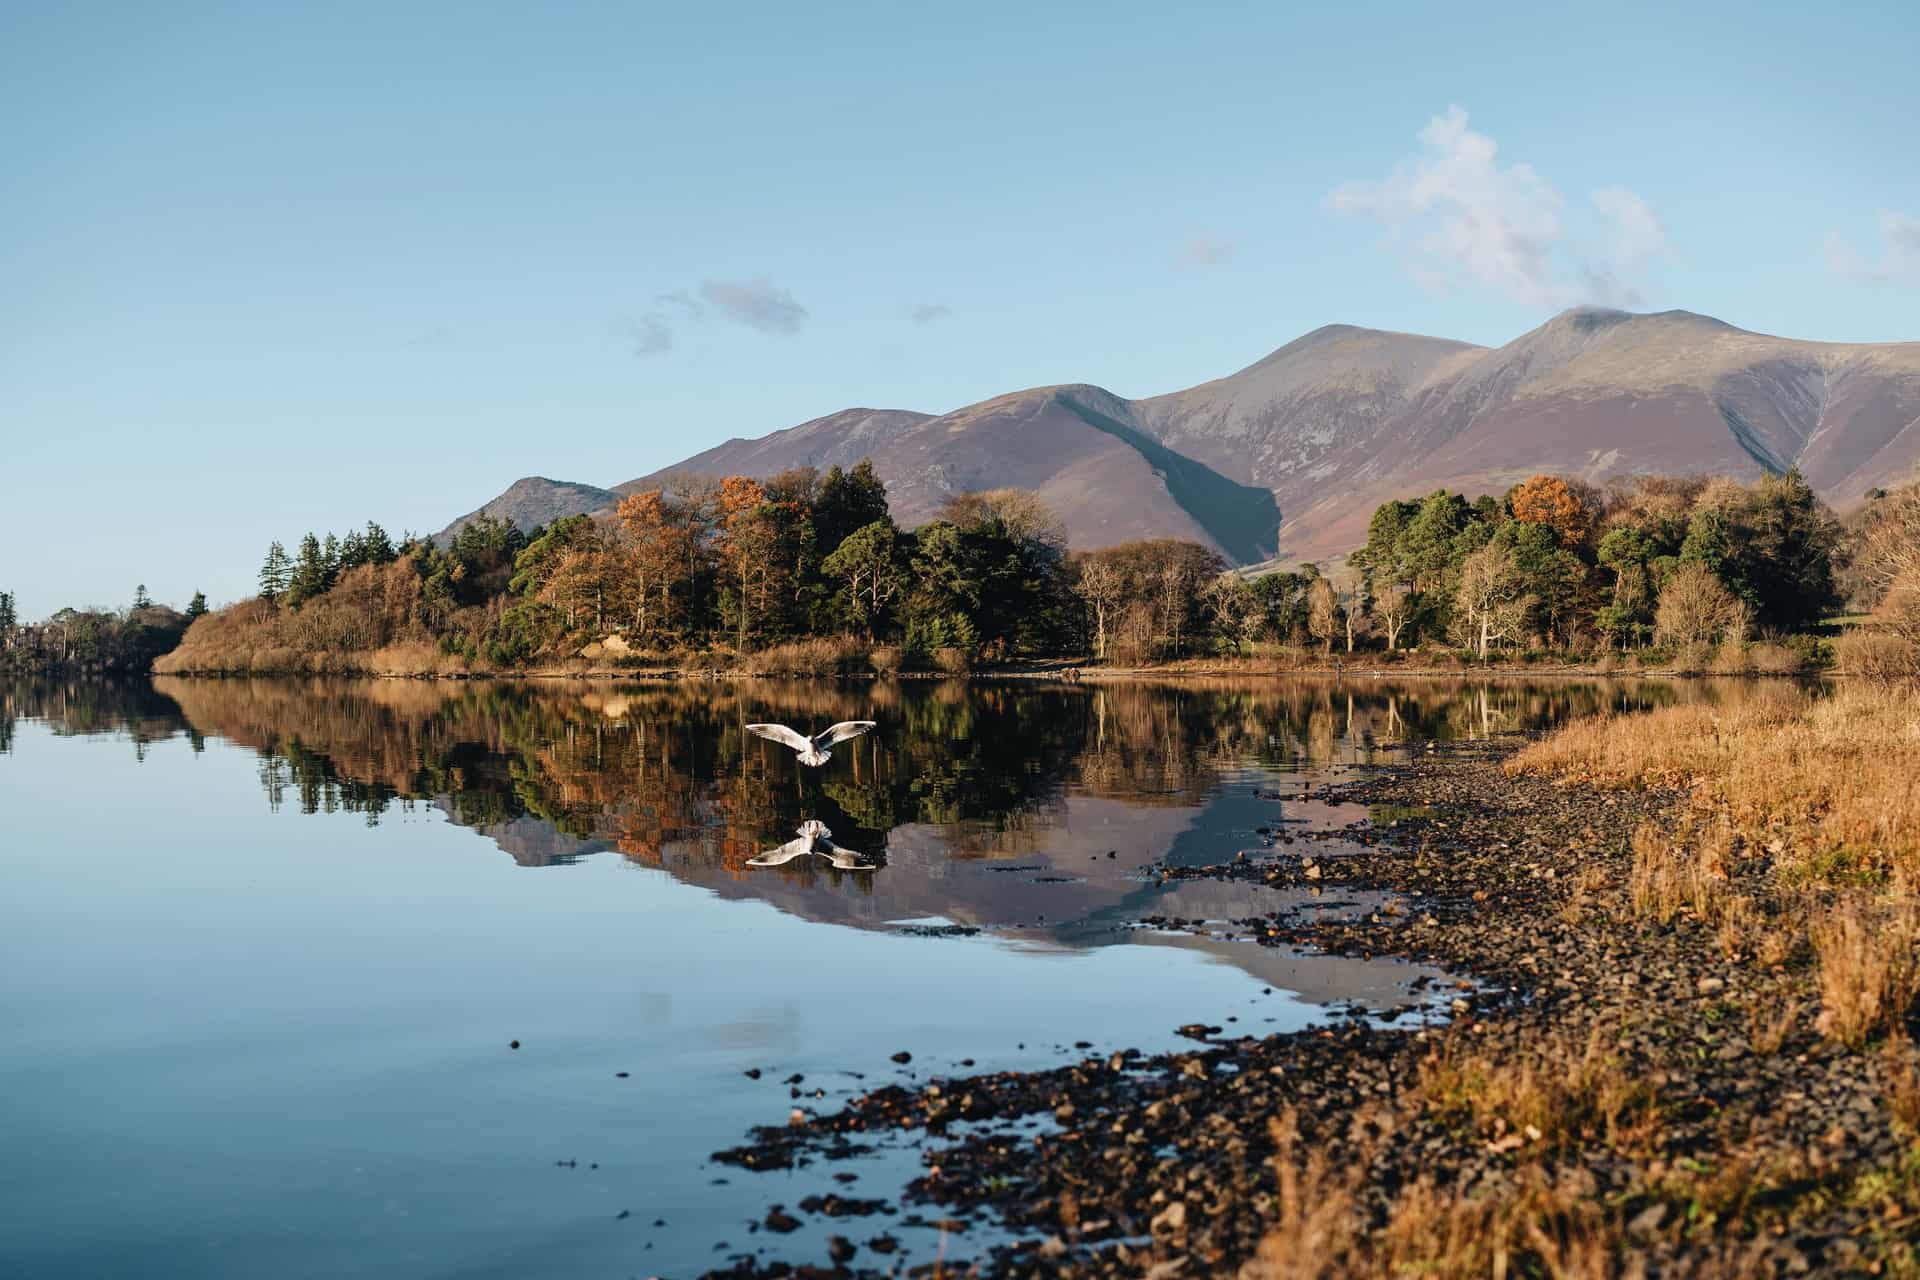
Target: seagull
column 816, row 750
column 813, row 838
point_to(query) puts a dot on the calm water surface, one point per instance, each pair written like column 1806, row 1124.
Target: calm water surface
column 267, row 943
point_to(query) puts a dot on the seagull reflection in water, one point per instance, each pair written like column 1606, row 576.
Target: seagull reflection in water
column 813, row 839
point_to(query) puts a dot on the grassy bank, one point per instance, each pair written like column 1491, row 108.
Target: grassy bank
column 1801, row 819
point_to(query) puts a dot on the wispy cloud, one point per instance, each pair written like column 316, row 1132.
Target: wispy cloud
column 685, row 301
column 651, row 335
column 1206, row 251
column 1897, row 261
column 758, row 304
column 930, row 313
column 1455, row 211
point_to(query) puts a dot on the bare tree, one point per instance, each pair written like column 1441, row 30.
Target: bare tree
column 1176, row 585
column 1354, row 614
column 1890, row 555
column 1695, row 608
column 1102, row 587
column 1394, row 608
column 1492, row 601
column 1323, row 613
column 1231, row 607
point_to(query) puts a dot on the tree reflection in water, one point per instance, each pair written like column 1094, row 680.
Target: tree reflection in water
column 1031, row 807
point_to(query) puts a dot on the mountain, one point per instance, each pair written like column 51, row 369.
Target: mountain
column 536, row 500
column 1596, row 393
column 1291, row 454
column 1079, row 447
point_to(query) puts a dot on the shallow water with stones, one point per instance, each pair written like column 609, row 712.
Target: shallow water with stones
column 391, row 977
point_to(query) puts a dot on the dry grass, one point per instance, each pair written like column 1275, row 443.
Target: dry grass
column 951, row 661
column 1900, row 1075
column 1540, row 1224
column 1774, row 660
column 1826, row 788
column 814, row 656
column 1825, row 785
column 1682, row 871
column 1551, row 1092
column 1732, row 659
column 1770, row 1029
column 1868, row 973
column 1876, row 655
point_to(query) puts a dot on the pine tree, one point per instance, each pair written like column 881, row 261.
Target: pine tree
column 377, row 547
column 141, row 600
column 276, row 574
column 8, row 618
column 197, row 607
column 309, row 572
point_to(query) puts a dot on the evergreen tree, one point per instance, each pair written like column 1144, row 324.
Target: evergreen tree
column 848, row 501
column 309, row 572
column 376, row 546
column 276, row 574
column 197, row 607
column 141, row 600
column 9, row 619
column 330, row 559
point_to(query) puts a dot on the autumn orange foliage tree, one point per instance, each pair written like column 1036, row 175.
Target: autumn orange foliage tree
column 1551, row 501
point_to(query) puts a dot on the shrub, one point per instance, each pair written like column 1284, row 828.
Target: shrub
column 1732, row 659
column 1774, row 660
column 815, row 656
column 1813, row 651
column 1693, row 657
column 885, row 660
column 953, row 661
column 1876, row 655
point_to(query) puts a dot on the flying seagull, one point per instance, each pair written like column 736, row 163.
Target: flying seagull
column 816, row 750
column 814, row 838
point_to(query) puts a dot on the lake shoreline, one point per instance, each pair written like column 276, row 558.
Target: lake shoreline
column 1063, row 670
column 1623, row 1086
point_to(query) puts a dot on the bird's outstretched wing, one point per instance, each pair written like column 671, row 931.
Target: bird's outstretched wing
column 844, row 858
column 781, row 734
column 784, row 854
column 842, row 731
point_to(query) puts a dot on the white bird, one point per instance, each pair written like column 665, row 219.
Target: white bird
column 814, row 838
column 815, row 750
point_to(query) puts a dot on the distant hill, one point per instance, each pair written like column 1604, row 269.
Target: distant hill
column 536, row 500
column 1292, row 453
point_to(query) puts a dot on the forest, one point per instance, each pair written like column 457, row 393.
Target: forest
column 120, row 641
column 806, row 572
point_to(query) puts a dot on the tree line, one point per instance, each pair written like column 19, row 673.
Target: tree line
column 741, row 566
column 1560, row 564
column 734, row 564
column 94, row 639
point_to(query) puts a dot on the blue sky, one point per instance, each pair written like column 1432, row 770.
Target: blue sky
column 266, row 268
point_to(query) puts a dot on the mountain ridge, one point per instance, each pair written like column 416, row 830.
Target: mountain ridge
column 1289, row 455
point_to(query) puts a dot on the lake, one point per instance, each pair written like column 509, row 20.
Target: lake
column 270, row 944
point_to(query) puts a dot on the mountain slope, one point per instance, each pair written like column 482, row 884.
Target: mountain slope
column 1595, row 393
column 1337, row 421
column 1079, row 447
column 536, row 500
